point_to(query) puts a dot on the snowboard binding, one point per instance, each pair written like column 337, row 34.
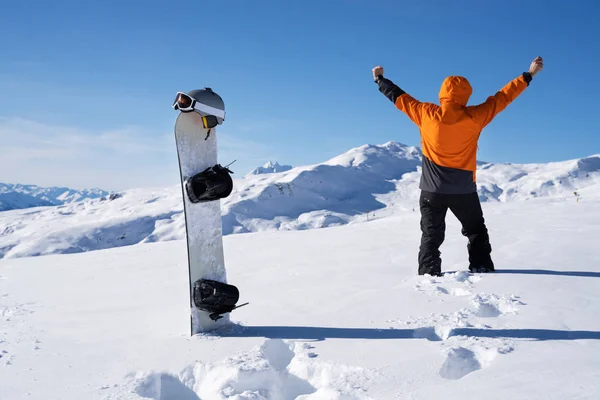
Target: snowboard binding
column 215, row 297
column 213, row 183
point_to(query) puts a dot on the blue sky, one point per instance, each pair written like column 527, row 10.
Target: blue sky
column 86, row 89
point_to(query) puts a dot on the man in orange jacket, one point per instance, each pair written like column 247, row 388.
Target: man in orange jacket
column 449, row 135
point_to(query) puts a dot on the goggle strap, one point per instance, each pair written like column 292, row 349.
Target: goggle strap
column 209, row 110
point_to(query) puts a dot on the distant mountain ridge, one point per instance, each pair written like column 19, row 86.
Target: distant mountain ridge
column 364, row 183
column 18, row 196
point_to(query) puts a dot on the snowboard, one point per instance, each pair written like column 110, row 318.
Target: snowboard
column 197, row 152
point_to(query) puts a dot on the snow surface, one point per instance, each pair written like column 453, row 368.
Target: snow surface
column 336, row 313
column 17, row 196
column 365, row 183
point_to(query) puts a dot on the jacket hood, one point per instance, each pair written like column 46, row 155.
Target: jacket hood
column 455, row 89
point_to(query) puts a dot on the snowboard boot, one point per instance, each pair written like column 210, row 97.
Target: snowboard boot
column 481, row 269
column 433, row 272
column 430, row 267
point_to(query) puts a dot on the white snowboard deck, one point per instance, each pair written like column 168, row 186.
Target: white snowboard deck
column 202, row 220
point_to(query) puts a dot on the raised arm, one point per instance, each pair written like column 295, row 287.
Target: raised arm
column 485, row 112
column 402, row 100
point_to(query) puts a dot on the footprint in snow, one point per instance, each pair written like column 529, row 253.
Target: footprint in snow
column 462, row 276
column 459, row 363
column 460, row 291
column 492, row 305
column 430, row 287
column 162, row 386
column 466, row 354
column 454, row 283
column 436, row 327
column 472, row 355
column 5, row 358
column 6, row 313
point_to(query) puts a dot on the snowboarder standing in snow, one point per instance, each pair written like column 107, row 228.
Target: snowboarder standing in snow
column 449, row 135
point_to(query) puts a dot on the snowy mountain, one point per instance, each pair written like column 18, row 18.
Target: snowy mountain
column 16, row 196
column 365, row 183
column 505, row 182
column 320, row 195
column 334, row 314
column 270, row 167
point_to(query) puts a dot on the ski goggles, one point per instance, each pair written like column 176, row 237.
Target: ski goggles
column 186, row 103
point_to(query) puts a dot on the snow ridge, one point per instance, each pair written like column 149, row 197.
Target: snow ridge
column 363, row 184
column 17, row 196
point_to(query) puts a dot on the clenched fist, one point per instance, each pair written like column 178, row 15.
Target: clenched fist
column 536, row 66
column 378, row 70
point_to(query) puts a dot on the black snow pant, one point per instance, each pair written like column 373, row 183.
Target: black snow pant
column 467, row 209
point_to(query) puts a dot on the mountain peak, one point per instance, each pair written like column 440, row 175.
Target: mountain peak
column 270, row 167
column 271, row 164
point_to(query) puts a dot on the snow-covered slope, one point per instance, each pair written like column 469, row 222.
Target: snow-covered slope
column 334, row 313
column 269, row 168
column 505, row 182
column 321, row 195
column 365, row 183
column 12, row 200
column 140, row 215
column 17, row 196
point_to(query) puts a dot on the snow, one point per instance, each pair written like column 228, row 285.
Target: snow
column 365, row 183
column 92, row 224
column 17, row 196
column 335, row 313
column 509, row 181
column 269, row 168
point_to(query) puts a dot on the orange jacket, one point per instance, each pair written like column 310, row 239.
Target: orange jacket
column 450, row 131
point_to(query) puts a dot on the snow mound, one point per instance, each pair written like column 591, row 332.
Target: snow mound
column 275, row 370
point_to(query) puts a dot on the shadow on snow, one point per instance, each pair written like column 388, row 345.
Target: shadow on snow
column 322, row 333
column 588, row 274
